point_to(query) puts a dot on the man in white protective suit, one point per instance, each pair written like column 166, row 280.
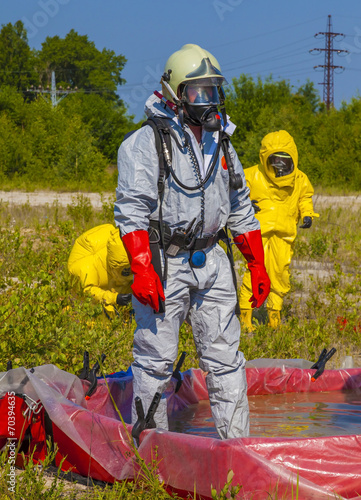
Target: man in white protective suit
column 173, row 205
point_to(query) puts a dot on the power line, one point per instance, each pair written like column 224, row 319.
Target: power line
column 285, row 72
column 284, row 76
column 233, row 42
column 265, row 33
column 239, row 61
column 328, row 66
column 271, row 60
column 53, row 92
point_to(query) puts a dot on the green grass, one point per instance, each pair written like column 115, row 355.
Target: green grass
column 46, row 318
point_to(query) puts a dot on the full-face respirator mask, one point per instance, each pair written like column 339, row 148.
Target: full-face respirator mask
column 282, row 163
column 201, row 100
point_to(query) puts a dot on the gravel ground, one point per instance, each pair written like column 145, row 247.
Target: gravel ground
column 322, row 201
column 40, row 198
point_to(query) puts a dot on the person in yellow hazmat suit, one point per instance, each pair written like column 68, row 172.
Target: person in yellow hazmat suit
column 99, row 260
column 281, row 195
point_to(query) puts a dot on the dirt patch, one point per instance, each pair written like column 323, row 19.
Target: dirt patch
column 75, row 486
column 350, row 202
column 39, row 198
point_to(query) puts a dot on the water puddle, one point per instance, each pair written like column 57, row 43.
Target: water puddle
column 307, row 414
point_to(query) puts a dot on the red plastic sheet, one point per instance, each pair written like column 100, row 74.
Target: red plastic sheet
column 94, row 439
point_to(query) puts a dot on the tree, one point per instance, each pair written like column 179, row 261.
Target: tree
column 12, row 103
column 259, row 107
column 310, row 96
column 247, row 98
column 14, row 155
column 16, row 57
column 78, row 63
column 107, row 120
column 50, row 149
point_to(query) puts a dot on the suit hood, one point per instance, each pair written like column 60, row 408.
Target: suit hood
column 273, row 143
column 116, row 254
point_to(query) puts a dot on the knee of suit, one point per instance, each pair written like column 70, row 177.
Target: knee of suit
column 223, row 364
column 160, row 368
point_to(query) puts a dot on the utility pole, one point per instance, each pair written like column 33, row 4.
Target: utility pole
column 328, row 66
column 53, row 92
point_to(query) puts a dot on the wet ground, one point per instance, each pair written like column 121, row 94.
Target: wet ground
column 308, row 414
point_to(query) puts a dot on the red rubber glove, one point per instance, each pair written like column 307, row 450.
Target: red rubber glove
column 147, row 287
column 250, row 245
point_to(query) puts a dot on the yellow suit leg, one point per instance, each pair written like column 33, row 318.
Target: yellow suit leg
column 246, row 320
column 278, row 254
column 245, row 292
column 274, row 318
column 245, row 306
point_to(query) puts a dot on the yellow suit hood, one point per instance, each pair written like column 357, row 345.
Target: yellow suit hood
column 273, row 143
column 117, row 255
column 99, row 259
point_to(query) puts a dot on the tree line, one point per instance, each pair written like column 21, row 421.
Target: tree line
column 75, row 143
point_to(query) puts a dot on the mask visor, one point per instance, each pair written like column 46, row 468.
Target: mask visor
column 199, row 95
column 282, row 163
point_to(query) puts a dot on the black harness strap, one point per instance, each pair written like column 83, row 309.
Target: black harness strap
column 154, row 245
column 162, row 141
column 235, row 180
column 223, row 235
column 163, row 145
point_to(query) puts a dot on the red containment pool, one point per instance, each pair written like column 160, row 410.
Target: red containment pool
column 304, row 443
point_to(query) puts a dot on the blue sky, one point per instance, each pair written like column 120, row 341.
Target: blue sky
column 257, row 37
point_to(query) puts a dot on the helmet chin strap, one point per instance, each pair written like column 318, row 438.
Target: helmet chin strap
column 222, row 98
column 178, row 102
column 182, row 119
column 164, row 80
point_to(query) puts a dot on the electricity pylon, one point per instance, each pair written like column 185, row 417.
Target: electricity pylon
column 328, row 66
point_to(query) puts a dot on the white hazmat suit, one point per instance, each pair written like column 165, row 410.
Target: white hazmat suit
column 206, row 295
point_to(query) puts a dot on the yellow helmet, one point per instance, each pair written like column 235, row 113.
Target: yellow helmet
column 190, row 63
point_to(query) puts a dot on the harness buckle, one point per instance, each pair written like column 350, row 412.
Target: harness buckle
column 153, row 232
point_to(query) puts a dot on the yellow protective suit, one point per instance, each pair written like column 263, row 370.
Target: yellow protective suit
column 283, row 201
column 99, row 260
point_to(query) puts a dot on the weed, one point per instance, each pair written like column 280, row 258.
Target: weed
column 81, row 209
column 228, row 491
column 45, row 319
column 33, row 482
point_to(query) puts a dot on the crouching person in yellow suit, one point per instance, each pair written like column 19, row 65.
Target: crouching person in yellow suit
column 99, row 260
column 281, row 195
